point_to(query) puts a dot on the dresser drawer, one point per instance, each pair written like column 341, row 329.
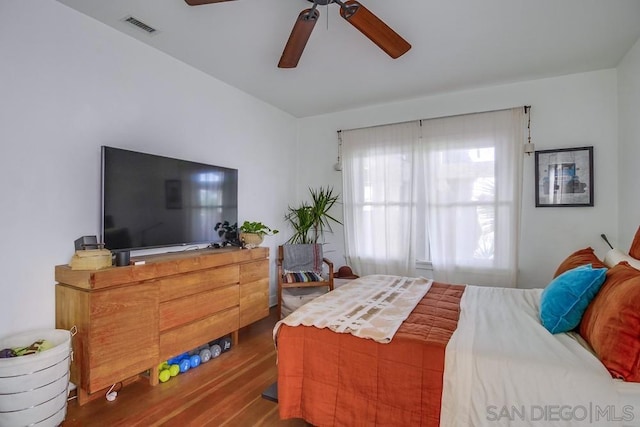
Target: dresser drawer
column 183, row 338
column 254, row 301
column 255, row 270
column 184, row 310
column 179, row 286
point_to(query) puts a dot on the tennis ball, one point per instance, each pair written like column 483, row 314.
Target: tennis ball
column 164, row 375
column 174, row 370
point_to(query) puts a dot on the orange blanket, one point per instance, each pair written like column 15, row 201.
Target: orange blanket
column 332, row 379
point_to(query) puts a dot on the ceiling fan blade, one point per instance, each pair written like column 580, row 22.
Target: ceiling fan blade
column 298, row 39
column 373, row 27
column 201, row 2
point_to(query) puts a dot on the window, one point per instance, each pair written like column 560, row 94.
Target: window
column 377, row 195
column 467, row 173
column 445, row 190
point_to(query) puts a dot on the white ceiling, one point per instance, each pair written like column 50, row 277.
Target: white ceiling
column 457, row 44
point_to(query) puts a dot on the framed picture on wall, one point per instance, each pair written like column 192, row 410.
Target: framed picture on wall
column 564, row 177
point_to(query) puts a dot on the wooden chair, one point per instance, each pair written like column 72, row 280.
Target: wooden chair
column 293, row 280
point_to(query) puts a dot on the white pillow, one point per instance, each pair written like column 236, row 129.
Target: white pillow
column 614, row 256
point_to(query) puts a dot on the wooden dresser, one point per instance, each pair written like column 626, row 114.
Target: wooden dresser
column 130, row 319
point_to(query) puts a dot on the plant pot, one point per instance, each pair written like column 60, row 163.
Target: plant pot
column 252, row 239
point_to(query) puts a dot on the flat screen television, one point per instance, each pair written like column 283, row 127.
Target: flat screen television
column 151, row 201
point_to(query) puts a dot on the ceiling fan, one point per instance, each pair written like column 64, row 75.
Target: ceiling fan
column 352, row 11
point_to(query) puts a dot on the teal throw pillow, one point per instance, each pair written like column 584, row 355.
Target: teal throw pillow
column 566, row 298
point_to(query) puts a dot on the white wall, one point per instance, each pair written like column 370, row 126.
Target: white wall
column 629, row 155
column 68, row 85
column 570, row 111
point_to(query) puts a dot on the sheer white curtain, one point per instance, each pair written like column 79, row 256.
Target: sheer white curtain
column 378, row 189
column 445, row 190
column 472, row 166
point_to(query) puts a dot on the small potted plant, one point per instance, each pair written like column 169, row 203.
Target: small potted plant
column 252, row 233
column 227, row 231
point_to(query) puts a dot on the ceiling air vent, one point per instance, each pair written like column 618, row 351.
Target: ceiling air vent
column 140, row 25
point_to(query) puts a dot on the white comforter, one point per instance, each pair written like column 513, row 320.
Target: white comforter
column 502, row 368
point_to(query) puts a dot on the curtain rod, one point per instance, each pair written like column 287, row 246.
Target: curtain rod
column 526, row 110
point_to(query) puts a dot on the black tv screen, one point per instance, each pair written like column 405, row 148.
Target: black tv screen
column 152, row 201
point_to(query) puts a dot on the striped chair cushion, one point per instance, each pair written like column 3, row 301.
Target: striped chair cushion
column 302, row 276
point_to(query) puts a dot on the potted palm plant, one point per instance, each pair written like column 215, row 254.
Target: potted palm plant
column 252, row 233
column 311, row 219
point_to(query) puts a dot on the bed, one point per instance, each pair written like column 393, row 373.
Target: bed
column 468, row 355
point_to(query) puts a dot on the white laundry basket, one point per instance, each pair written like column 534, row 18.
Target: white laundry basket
column 34, row 388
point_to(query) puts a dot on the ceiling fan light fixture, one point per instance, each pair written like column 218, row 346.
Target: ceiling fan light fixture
column 298, row 38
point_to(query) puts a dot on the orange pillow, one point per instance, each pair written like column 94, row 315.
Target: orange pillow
column 611, row 323
column 578, row 258
column 634, row 251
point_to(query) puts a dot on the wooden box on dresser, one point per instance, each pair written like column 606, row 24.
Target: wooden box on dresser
column 130, row 319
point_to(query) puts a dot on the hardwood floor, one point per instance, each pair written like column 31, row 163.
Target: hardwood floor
column 224, row 392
